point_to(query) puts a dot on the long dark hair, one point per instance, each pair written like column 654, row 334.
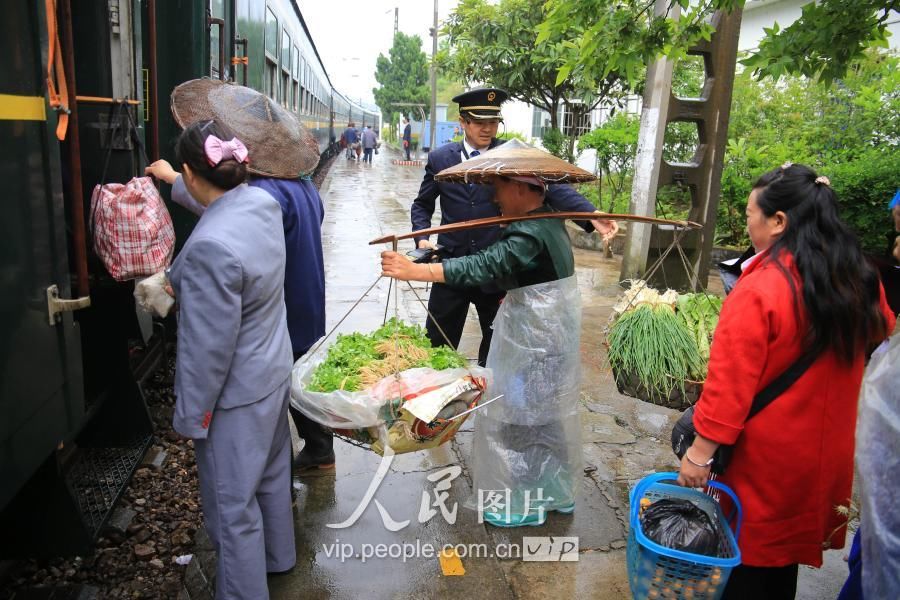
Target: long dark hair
column 841, row 290
column 226, row 175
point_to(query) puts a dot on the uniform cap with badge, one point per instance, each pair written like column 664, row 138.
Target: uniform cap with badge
column 481, row 103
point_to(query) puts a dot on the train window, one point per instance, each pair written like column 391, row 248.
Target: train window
column 285, row 50
column 271, row 44
column 285, row 68
column 216, row 10
column 271, row 34
column 295, row 72
column 271, row 79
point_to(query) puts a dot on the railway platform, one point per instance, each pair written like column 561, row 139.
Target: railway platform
column 392, row 548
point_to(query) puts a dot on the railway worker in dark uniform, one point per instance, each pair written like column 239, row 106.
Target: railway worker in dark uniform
column 479, row 118
column 407, row 136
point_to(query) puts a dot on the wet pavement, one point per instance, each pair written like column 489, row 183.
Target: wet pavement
column 623, row 440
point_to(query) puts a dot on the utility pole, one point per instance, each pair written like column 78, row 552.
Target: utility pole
column 396, row 20
column 434, row 41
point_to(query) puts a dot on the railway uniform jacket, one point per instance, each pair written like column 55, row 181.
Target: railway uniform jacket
column 793, row 462
column 233, row 342
column 462, row 202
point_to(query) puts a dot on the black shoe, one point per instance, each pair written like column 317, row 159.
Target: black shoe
column 304, row 464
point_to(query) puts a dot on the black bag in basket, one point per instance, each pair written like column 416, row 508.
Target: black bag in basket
column 681, row 525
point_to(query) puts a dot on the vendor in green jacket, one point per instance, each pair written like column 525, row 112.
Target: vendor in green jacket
column 527, row 448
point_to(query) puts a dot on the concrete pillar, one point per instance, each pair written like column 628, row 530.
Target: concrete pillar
column 701, row 176
column 649, row 155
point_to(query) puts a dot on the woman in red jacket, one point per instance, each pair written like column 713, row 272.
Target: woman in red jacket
column 807, row 288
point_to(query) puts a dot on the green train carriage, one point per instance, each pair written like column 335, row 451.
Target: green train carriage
column 73, row 422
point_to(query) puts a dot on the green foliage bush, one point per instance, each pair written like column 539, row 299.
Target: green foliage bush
column 557, row 144
column 864, row 188
column 849, row 132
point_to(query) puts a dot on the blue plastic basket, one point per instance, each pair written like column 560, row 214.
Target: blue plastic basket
column 655, row 571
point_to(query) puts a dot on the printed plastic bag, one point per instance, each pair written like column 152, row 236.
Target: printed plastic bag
column 680, row 525
column 878, row 463
column 409, row 411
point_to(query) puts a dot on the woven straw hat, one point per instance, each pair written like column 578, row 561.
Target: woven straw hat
column 279, row 145
column 515, row 159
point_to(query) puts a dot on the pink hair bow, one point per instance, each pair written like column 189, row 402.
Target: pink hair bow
column 218, row 150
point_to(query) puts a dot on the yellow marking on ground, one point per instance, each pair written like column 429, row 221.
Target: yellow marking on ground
column 22, row 108
column 451, row 563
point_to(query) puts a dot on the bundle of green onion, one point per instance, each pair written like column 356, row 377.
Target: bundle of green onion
column 652, row 343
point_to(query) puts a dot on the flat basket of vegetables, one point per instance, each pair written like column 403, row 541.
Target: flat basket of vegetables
column 659, row 344
column 388, row 388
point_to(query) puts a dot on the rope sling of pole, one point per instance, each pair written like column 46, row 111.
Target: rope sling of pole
column 681, row 228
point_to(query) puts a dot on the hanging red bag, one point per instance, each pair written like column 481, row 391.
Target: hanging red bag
column 132, row 230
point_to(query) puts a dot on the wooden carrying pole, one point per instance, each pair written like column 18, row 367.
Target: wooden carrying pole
column 487, row 222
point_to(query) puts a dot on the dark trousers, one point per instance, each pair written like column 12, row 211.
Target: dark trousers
column 450, row 305
column 754, row 583
column 318, row 440
column 367, row 154
column 407, row 152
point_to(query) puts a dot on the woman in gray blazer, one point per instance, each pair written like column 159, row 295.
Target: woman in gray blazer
column 234, row 361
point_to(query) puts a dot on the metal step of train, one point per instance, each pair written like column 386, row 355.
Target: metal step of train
column 99, row 476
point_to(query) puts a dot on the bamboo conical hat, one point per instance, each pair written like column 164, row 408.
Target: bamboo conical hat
column 279, row 145
column 515, row 159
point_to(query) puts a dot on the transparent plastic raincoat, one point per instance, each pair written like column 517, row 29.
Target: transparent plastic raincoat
column 878, row 462
column 527, row 444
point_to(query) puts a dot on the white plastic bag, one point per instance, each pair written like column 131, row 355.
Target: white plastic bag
column 366, row 408
column 152, row 296
column 528, row 442
column 878, row 462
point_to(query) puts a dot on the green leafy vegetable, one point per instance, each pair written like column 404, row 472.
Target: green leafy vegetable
column 654, row 344
column 700, row 314
column 394, row 345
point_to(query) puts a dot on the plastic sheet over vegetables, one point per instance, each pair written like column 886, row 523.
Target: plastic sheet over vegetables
column 370, row 407
column 878, row 462
column 528, row 441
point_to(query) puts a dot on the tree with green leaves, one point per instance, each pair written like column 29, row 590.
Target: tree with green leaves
column 624, row 35
column 498, row 45
column 596, row 39
column 615, row 143
column 849, row 132
column 829, row 36
column 402, row 76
